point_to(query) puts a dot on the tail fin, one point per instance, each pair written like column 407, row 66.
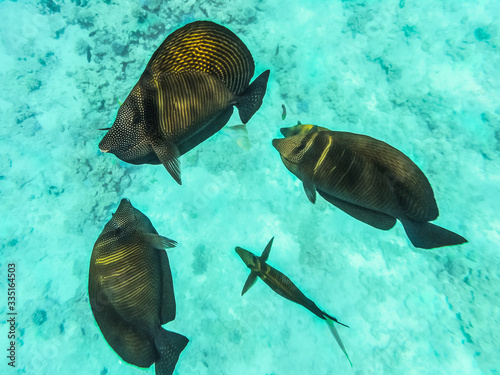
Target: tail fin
column 429, row 236
column 325, row 315
column 251, row 100
column 169, row 346
column 336, row 335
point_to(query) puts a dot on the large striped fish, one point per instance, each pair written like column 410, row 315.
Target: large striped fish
column 282, row 285
column 185, row 95
column 131, row 292
column 366, row 178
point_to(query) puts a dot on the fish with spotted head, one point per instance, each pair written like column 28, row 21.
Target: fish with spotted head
column 131, row 291
column 366, row 178
column 185, row 95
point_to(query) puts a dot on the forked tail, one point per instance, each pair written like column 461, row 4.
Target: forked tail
column 333, row 330
column 169, row 346
column 429, row 236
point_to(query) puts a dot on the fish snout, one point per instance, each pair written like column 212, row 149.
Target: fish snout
column 104, row 145
column 246, row 256
column 276, row 143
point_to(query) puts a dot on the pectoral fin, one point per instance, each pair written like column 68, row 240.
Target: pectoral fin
column 309, row 188
column 168, row 153
column 267, row 250
column 159, row 242
column 252, row 278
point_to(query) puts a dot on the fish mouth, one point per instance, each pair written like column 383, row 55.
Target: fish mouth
column 100, row 149
column 245, row 255
column 275, row 143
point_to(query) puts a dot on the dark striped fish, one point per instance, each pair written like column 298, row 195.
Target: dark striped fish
column 282, row 285
column 131, row 292
column 185, row 95
column 300, row 129
column 366, row 178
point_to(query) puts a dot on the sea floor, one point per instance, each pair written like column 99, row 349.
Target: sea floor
column 420, row 75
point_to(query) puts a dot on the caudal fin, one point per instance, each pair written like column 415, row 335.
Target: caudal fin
column 429, row 236
column 325, row 315
column 251, row 100
column 169, row 346
column 336, row 335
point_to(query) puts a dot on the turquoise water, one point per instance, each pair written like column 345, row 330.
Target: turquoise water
column 422, row 76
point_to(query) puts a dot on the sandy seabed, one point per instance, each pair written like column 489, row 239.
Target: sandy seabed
column 422, row 76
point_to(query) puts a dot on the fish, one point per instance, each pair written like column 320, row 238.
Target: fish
column 283, row 114
column 239, row 134
column 131, row 292
column 300, row 129
column 282, row 285
column 367, row 179
column 185, row 95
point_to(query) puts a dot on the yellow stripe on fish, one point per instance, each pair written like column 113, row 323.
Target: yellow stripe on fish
column 185, row 95
column 131, row 292
column 366, row 178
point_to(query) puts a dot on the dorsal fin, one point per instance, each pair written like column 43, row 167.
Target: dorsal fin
column 267, row 250
column 207, row 47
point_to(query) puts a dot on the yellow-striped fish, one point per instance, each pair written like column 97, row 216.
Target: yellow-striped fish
column 185, row 95
column 282, row 285
column 366, row 178
column 131, row 292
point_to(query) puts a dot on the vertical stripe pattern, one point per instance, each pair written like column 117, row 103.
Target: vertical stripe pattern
column 359, row 169
column 187, row 102
column 126, row 285
column 205, row 47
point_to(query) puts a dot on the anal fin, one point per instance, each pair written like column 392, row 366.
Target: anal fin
column 209, row 130
column 376, row 219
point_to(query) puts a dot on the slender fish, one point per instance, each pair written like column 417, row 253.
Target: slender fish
column 282, row 285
